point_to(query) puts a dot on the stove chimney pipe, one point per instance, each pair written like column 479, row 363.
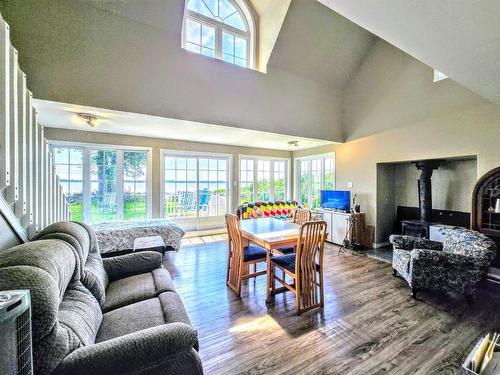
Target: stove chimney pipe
column 425, row 187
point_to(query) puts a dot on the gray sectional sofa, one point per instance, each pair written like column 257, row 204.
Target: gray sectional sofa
column 119, row 315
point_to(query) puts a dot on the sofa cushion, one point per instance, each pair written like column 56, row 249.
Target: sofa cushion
column 470, row 243
column 55, row 257
column 81, row 240
column 166, row 308
column 65, row 316
column 81, row 237
column 137, row 288
column 81, row 314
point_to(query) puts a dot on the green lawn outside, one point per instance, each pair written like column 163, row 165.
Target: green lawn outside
column 135, row 209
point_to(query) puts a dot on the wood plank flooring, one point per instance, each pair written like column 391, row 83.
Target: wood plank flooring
column 370, row 323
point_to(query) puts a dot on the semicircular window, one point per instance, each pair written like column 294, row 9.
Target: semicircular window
column 219, row 28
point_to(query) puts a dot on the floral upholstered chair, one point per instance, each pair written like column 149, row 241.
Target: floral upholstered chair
column 457, row 265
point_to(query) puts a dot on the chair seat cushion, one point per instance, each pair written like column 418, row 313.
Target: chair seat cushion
column 137, row 288
column 287, row 262
column 254, row 252
column 164, row 309
column 286, row 250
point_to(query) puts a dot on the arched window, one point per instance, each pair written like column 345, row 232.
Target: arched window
column 222, row 29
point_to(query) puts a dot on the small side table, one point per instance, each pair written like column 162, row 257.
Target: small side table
column 153, row 243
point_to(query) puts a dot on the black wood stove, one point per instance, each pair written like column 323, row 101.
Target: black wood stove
column 420, row 228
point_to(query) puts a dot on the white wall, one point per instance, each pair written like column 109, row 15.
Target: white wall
column 394, row 112
column 391, row 89
column 452, row 185
column 129, row 58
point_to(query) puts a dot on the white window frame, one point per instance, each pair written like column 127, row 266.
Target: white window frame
column 87, row 148
column 271, row 175
column 296, row 168
column 198, row 155
column 249, row 35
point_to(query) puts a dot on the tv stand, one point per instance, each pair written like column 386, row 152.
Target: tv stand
column 337, row 222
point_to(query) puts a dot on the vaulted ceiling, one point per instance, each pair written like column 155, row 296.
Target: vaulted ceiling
column 319, row 44
column 311, row 40
column 460, row 38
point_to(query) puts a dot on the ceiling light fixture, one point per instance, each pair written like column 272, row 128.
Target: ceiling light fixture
column 293, row 143
column 88, row 118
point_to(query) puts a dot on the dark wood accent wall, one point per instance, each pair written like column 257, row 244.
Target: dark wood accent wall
column 484, row 218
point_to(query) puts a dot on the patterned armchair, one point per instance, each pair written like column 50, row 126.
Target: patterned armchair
column 457, row 265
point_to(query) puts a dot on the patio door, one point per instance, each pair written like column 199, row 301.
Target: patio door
column 196, row 189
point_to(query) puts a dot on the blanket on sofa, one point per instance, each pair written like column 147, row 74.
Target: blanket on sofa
column 120, row 236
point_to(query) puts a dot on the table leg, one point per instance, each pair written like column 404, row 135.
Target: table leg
column 268, row 276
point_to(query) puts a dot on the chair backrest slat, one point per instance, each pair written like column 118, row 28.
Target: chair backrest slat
column 310, row 246
column 301, row 215
column 235, row 251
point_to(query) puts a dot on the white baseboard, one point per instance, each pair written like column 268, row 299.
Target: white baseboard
column 380, row 244
column 207, row 232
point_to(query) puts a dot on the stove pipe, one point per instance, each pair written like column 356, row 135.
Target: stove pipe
column 425, row 187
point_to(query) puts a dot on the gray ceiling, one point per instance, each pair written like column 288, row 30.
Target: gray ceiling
column 461, row 38
column 319, row 44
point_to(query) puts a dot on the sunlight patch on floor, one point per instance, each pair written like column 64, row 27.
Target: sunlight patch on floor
column 264, row 323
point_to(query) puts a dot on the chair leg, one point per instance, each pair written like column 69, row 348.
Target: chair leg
column 268, row 277
column 394, row 272
column 297, row 297
column 273, row 281
column 321, row 290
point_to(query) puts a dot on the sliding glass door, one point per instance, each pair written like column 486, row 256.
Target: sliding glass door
column 103, row 183
column 196, row 189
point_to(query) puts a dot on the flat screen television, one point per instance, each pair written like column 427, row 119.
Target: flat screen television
column 336, row 200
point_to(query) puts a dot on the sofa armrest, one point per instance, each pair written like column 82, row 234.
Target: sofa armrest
column 410, row 243
column 443, row 259
column 132, row 264
column 131, row 353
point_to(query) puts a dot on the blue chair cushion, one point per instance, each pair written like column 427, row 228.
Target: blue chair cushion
column 254, row 252
column 286, row 250
column 287, row 262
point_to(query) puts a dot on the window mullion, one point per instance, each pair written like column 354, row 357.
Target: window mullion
column 308, row 183
column 120, row 201
column 218, row 42
column 86, row 184
column 255, row 179
column 271, row 180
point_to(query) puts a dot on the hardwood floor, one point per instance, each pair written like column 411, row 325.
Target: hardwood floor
column 370, row 323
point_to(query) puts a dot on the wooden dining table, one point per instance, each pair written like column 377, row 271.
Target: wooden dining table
column 270, row 234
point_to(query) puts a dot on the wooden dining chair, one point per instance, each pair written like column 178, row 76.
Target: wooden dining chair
column 300, row 216
column 305, row 267
column 240, row 257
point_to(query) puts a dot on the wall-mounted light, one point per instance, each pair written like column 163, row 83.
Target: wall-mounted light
column 293, row 143
column 88, row 118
